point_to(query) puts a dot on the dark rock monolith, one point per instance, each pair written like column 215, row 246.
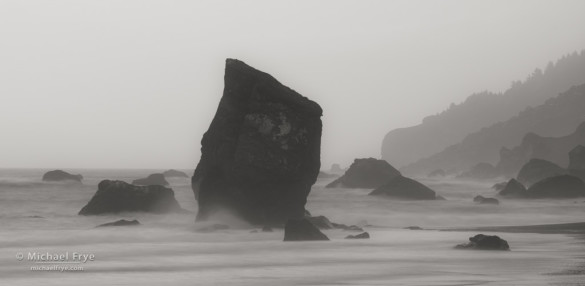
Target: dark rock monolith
column 261, row 153
column 368, row 173
column 485, row 242
column 119, row 196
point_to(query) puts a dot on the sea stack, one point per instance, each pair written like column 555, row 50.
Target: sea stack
column 367, row 173
column 261, row 153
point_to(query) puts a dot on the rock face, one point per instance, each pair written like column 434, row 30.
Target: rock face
column 172, row 173
column 152, row 179
column 485, row 242
column 261, row 153
column 564, row 186
column 119, row 196
column 513, row 188
column 59, row 175
column 577, row 162
column 366, row 173
column 363, row 235
column 405, row 188
column 121, row 222
column 302, row 229
column 537, row 169
column 486, row 201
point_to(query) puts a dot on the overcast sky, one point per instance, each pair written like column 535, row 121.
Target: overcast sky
column 135, row 84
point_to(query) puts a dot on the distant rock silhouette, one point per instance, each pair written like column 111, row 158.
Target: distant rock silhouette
column 450, row 127
column 366, row 173
column 302, row 229
column 485, row 242
column 486, row 201
column 59, row 175
column 363, row 235
column 261, row 153
column 326, row 175
column 119, row 196
column 405, row 188
column 172, row 173
column 513, row 188
column 537, row 169
column 564, row 186
column 152, row 179
column 437, row 173
column 481, row 171
column 553, row 149
column 577, row 162
column 556, row 117
column 335, row 168
column 121, row 222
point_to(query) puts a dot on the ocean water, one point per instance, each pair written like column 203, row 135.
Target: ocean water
column 37, row 217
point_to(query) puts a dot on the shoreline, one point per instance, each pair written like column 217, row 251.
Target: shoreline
column 577, row 228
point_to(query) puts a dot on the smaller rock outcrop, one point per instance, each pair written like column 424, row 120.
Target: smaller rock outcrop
column 302, row 230
column 536, row 170
column 119, row 196
column 486, row 201
column 121, row 222
column 172, row 173
column 366, row 173
column 485, row 242
column 513, row 188
column 363, row 235
column 60, row 175
column 564, row 186
column 405, row 188
column 152, row 179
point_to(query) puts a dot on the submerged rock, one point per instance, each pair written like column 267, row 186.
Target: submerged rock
column 172, row 173
column 121, row 222
column 119, row 196
column 152, row 179
column 564, row 186
column 363, row 235
column 485, row 242
column 486, row 201
column 537, row 169
column 60, row 175
column 302, row 229
column 405, row 188
column 513, row 188
column 366, row 173
column 261, row 153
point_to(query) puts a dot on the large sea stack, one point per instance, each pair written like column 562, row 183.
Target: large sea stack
column 261, row 153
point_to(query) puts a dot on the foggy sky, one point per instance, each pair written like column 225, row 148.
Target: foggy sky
column 135, row 84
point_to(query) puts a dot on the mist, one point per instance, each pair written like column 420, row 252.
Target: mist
column 135, row 84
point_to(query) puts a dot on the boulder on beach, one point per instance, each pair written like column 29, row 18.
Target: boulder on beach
column 564, row 186
column 121, row 222
column 172, row 173
column 405, row 188
column 302, row 229
column 368, row 173
column 437, row 173
column 485, row 242
column 261, row 153
column 363, row 235
column 536, row 170
column 512, row 188
column 486, row 201
column 152, row 179
column 60, row 175
column 119, row 196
